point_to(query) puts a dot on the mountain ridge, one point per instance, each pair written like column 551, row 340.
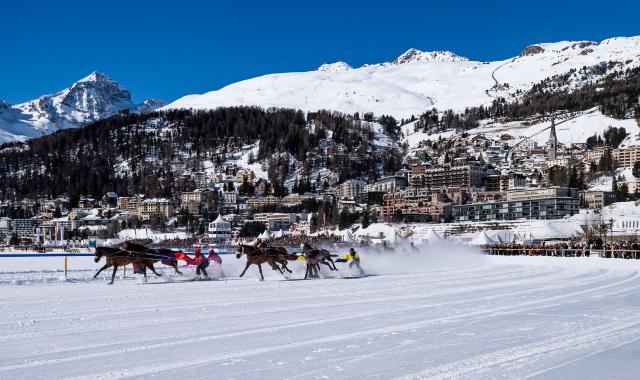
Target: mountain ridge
column 93, row 97
column 416, row 81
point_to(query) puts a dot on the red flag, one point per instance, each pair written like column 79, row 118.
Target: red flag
column 185, row 257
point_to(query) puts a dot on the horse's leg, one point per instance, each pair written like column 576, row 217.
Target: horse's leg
column 333, row 263
column 274, row 265
column 306, row 272
column 283, row 266
column 101, row 269
column 260, row 269
column 113, row 275
column 153, row 269
column 309, row 273
column 245, row 268
column 175, row 267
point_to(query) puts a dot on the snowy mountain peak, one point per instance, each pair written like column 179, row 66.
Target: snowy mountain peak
column 335, row 67
column 92, row 98
column 415, row 55
column 149, row 105
column 555, row 48
column 97, row 76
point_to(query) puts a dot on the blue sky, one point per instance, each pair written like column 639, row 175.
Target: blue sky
column 166, row 49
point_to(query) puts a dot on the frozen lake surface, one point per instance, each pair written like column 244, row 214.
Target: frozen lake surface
column 415, row 317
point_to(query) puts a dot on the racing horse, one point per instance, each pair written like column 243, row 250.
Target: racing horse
column 116, row 257
column 164, row 255
column 258, row 256
column 314, row 257
column 281, row 256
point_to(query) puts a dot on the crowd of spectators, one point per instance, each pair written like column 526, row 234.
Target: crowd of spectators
column 615, row 249
column 315, row 241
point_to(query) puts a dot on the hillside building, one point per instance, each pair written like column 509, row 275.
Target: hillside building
column 155, row 206
column 626, row 157
column 548, row 208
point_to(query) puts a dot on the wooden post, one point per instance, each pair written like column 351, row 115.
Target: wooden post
column 66, row 263
column 124, row 272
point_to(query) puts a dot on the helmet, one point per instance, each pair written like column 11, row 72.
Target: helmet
column 351, row 250
column 197, row 251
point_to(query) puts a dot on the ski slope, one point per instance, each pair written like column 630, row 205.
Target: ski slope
column 573, row 131
column 425, row 315
column 419, row 81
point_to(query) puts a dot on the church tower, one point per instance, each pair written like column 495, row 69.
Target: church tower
column 553, row 141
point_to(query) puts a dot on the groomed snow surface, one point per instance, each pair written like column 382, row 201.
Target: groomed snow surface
column 442, row 312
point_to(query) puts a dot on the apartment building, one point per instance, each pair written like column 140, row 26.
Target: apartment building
column 258, row 202
column 129, row 203
column 549, row 208
column 541, row 193
column 155, row 206
column 295, row 199
column 597, row 199
column 626, row 157
column 191, row 201
column 387, row 184
column 464, row 176
column 275, row 221
column 351, row 188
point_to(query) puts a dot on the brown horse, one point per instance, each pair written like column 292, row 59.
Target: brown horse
column 164, row 255
column 116, row 257
column 257, row 256
column 281, row 256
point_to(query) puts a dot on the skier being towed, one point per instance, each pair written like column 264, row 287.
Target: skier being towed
column 201, row 263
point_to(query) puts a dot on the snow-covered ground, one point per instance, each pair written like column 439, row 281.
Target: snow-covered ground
column 438, row 313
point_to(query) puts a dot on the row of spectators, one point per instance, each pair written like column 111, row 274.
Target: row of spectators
column 616, row 249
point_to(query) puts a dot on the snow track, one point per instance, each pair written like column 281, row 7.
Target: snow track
column 508, row 317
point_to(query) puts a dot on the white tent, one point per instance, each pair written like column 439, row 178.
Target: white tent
column 266, row 235
column 543, row 230
column 578, row 232
column 482, row 239
column 348, row 237
column 112, row 242
column 528, row 236
column 279, row 234
column 515, row 236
